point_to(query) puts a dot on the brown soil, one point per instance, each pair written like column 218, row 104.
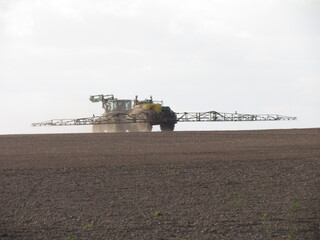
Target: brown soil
column 176, row 185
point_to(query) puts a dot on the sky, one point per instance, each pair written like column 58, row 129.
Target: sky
column 249, row 56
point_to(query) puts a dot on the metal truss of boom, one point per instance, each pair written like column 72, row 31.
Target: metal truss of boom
column 211, row 116
column 110, row 119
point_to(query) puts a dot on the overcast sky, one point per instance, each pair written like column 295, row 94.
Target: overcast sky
column 249, row 56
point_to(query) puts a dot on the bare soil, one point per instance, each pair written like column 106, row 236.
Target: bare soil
column 174, row 185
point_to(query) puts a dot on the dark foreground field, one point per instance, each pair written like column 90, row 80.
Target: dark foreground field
column 179, row 185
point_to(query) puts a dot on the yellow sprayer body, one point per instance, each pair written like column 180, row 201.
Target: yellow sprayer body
column 156, row 107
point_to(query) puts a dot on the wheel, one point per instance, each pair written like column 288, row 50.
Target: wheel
column 167, row 127
column 169, row 119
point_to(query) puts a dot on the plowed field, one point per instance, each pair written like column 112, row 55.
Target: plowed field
column 176, row 185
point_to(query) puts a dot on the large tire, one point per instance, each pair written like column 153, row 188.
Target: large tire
column 169, row 119
column 167, row 127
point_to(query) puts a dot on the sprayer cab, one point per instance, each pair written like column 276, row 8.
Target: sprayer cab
column 112, row 104
column 119, row 106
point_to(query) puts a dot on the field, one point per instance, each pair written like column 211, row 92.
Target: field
column 174, row 185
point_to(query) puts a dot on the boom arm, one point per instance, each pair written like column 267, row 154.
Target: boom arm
column 117, row 118
column 211, row 116
column 226, row 117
